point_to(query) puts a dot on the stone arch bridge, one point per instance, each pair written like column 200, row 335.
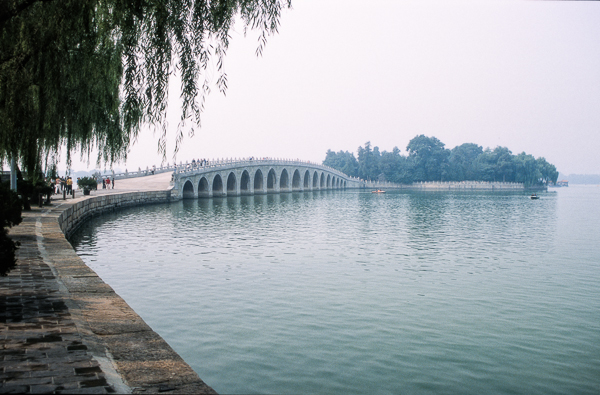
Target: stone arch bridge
column 255, row 177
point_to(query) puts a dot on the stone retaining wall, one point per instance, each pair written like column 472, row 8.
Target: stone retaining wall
column 469, row 186
column 72, row 217
column 138, row 359
column 451, row 186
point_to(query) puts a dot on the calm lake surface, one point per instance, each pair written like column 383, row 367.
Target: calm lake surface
column 352, row 292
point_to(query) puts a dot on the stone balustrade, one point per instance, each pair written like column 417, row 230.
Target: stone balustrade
column 451, row 185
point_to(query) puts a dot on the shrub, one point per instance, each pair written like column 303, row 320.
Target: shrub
column 87, row 183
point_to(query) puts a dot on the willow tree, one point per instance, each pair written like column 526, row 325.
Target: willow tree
column 86, row 74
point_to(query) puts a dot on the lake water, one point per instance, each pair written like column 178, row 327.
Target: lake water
column 352, row 292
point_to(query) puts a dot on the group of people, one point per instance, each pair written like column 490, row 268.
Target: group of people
column 66, row 184
column 199, row 162
column 62, row 184
column 107, row 184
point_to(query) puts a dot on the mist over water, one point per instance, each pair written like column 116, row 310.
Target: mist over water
column 353, row 292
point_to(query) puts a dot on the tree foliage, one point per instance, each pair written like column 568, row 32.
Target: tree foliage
column 462, row 162
column 10, row 215
column 368, row 161
column 86, row 74
column 428, row 160
column 344, row 161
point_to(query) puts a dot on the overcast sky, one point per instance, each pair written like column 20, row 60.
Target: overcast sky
column 519, row 74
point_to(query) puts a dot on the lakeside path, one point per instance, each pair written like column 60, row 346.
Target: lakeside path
column 63, row 330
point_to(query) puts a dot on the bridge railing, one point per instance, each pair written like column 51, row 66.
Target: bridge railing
column 139, row 173
column 187, row 168
column 218, row 163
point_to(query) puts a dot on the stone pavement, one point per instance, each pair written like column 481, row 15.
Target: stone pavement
column 63, row 330
column 149, row 183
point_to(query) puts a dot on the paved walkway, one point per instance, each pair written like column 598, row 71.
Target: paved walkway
column 63, row 330
column 149, row 183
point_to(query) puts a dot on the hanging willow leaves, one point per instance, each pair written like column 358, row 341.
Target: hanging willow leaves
column 86, row 74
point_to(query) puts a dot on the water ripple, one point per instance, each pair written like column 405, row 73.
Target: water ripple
column 348, row 292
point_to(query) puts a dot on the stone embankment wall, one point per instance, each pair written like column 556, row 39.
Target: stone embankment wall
column 72, row 217
column 451, row 186
column 133, row 357
column 469, row 186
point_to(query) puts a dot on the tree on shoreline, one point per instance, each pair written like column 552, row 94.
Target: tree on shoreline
column 344, row 161
column 86, row 74
column 428, row 160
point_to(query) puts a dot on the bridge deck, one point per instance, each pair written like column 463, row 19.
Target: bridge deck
column 159, row 182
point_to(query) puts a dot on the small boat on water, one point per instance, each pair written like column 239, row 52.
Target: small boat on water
column 534, row 196
column 378, row 191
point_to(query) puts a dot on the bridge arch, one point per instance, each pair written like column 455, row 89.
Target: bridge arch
column 188, row 190
column 217, row 186
column 271, row 181
column 258, row 181
column 203, row 188
column 328, row 185
column 231, row 184
column 284, row 181
column 333, row 181
column 296, row 181
column 306, row 183
column 245, row 183
column 322, row 185
column 315, row 183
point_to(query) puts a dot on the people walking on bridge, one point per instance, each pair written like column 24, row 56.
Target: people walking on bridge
column 107, row 183
column 103, row 183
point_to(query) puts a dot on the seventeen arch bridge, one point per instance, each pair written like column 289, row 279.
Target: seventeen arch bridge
column 256, row 177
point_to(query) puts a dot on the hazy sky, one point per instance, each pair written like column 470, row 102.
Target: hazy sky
column 520, row 74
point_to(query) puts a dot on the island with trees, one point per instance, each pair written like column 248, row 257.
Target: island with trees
column 429, row 160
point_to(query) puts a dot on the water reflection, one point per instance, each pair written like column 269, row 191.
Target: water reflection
column 341, row 292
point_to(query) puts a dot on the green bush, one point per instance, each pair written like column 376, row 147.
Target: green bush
column 87, row 183
column 10, row 215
